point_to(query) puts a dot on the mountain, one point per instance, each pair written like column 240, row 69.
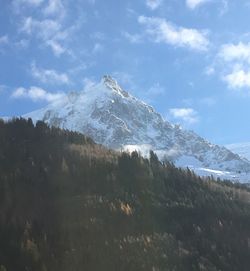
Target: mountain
column 116, row 119
column 242, row 149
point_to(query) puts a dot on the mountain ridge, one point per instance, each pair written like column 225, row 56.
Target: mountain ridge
column 116, row 119
column 242, row 149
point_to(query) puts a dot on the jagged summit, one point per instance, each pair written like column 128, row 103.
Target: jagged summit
column 106, row 87
column 113, row 117
column 112, row 84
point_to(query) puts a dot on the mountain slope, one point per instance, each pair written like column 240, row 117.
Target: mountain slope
column 68, row 204
column 113, row 117
column 242, row 149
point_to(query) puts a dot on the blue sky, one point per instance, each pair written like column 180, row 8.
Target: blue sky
column 190, row 59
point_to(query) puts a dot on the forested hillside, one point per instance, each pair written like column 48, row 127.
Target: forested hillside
column 67, row 204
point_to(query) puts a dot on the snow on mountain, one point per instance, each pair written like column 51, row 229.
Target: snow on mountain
column 5, row 118
column 242, row 149
column 113, row 117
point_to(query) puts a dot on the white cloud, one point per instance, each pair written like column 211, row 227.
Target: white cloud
column 153, row 4
column 192, row 4
column 239, row 52
column 36, row 94
column 238, row 79
column 45, row 29
column 49, row 31
column 235, row 59
column 49, row 76
column 161, row 30
column 187, row 115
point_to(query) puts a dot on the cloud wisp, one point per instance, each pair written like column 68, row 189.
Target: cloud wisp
column 238, row 78
column 54, row 7
column 192, row 4
column 160, row 30
column 49, row 76
column 186, row 115
column 236, row 59
column 132, row 38
column 48, row 27
column 48, row 31
column 36, row 94
column 153, row 4
column 235, row 52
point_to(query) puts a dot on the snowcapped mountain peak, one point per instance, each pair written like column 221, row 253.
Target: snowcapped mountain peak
column 113, row 117
column 109, row 81
column 112, row 84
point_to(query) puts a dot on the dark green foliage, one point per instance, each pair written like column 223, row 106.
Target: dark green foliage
column 67, row 204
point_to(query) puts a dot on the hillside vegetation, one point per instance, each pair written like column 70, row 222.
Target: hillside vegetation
column 68, row 204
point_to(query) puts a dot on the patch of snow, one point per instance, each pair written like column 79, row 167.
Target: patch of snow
column 188, row 161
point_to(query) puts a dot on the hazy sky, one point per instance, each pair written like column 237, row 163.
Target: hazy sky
column 190, row 59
